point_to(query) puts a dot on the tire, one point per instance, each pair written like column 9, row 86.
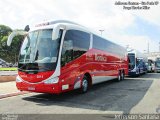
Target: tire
column 122, row 75
column 85, row 85
column 119, row 76
column 138, row 74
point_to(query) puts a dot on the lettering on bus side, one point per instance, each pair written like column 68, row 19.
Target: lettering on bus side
column 89, row 57
column 100, row 58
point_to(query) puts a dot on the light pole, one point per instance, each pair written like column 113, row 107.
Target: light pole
column 148, row 47
column 159, row 46
column 101, row 31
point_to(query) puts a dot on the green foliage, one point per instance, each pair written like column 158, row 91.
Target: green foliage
column 9, row 53
column 4, row 31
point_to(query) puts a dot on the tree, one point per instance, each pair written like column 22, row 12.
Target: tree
column 9, row 53
column 4, row 31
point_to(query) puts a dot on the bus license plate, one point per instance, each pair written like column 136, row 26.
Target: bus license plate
column 31, row 88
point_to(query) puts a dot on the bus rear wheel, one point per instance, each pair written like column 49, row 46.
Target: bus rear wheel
column 85, row 85
column 122, row 75
column 119, row 76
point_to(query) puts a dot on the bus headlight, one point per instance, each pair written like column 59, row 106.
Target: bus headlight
column 52, row 80
column 18, row 79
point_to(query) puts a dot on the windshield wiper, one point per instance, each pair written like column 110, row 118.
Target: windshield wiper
column 44, row 68
column 34, row 69
column 27, row 71
column 25, row 64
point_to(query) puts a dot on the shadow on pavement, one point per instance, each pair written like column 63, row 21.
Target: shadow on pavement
column 107, row 96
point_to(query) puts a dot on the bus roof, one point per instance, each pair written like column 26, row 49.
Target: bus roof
column 70, row 23
column 137, row 53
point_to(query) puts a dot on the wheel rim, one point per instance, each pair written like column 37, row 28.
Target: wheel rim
column 85, row 85
column 122, row 75
column 119, row 77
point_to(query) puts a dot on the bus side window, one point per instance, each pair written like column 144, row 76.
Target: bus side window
column 81, row 41
column 67, row 52
column 75, row 44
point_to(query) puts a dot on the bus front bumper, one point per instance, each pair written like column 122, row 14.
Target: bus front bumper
column 38, row 87
column 133, row 72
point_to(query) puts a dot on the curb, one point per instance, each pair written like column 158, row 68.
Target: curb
column 12, row 94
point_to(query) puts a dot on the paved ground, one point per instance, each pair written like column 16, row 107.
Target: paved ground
column 8, row 73
column 133, row 95
column 6, row 88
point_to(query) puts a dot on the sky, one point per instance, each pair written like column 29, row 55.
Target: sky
column 136, row 28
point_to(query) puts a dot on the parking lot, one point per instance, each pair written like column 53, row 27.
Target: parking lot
column 133, row 95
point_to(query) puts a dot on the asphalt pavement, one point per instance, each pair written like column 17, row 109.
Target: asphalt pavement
column 133, row 95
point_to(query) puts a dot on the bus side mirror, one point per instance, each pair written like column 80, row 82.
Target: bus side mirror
column 27, row 28
column 56, row 30
column 13, row 34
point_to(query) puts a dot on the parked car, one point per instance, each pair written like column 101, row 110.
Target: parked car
column 2, row 62
column 9, row 64
column 5, row 64
column 15, row 65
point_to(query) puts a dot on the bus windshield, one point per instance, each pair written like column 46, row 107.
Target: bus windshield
column 139, row 61
column 158, row 64
column 131, row 58
column 38, row 49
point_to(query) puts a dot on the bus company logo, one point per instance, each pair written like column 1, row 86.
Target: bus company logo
column 89, row 57
column 23, row 76
column 100, row 58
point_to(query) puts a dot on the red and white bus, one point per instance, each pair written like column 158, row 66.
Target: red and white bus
column 60, row 56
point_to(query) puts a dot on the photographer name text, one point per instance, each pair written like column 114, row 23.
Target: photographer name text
column 141, row 5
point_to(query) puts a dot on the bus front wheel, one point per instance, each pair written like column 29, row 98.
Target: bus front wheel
column 85, row 85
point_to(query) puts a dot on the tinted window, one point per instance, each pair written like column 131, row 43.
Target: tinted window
column 39, row 52
column 157, row 64
column 75, row 44
column 105, row 45
column 139, row 62
column 99, row 43
column 131, row 58
column 150, row 62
